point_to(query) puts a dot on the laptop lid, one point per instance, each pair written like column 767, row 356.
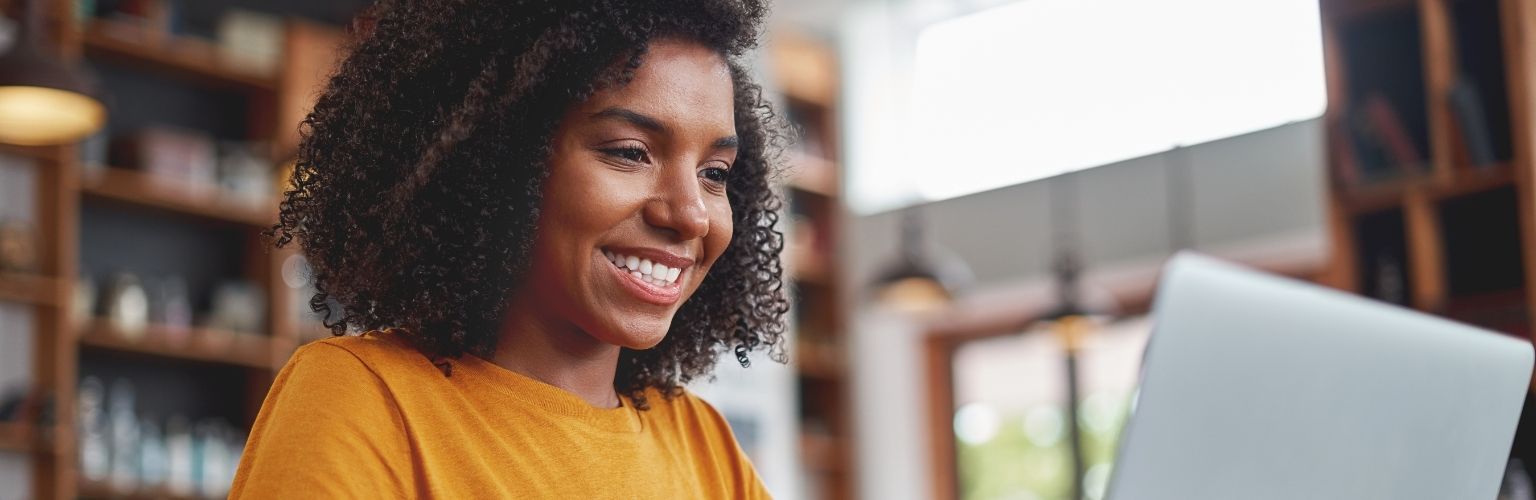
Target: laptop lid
column 1261, row 387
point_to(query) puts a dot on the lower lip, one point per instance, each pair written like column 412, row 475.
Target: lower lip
column 659, row 295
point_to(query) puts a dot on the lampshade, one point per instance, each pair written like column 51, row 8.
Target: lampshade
column 43, row 101
column 913, row 282
column 912, row 288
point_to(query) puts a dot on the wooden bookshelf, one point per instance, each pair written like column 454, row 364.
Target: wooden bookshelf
column 138, row 188
column 113, row 209
column 1422, row 197
column 1450, row 236
column 182, row 57
column 806, row 74
column 202, row 345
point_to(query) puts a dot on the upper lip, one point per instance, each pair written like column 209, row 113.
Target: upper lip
column 655, row 255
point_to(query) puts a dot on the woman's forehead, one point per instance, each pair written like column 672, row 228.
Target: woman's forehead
column 678, row 83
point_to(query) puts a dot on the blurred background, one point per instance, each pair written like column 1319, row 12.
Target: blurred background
column 980, row 199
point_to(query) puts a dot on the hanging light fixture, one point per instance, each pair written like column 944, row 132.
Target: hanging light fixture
column 913, row 282
column 43, row 100
column 1071, row 320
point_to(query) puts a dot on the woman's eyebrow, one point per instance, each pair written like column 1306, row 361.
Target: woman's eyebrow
column 633, row 117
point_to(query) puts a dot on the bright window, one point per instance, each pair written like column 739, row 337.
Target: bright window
column 1042, row 87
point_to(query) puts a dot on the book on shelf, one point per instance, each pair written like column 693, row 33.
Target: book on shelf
column 1380, row 146
column 1472, row 121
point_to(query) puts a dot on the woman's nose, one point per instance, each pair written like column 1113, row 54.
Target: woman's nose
column 678, row 205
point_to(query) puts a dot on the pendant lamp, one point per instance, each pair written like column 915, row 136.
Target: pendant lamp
column 914, row 282
column 43, row 100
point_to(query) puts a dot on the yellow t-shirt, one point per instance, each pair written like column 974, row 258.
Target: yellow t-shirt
column 369, row 417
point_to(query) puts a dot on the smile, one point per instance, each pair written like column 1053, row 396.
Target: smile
column 652, row 273
column 648, row 280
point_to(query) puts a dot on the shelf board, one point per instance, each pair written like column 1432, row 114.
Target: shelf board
column 21, row 437
column 29, row 288
column 185, row 57
column 248, row 350
column 169, row 194
column 819, row 361
column 98, row 489
column 820, row 452
column 38, row 153
column 808, row 267
column 1391, row 193
column 812, row 174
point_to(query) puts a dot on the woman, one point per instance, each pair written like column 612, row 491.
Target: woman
column 548, row 216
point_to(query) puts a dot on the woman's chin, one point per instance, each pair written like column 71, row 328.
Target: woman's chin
column 642, row 341
column 638, row 335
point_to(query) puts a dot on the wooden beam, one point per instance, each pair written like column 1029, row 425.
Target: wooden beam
column 1439, row 53
column 58, row 210
column 1519, row 29
column 1426, row 261
column 938, row 359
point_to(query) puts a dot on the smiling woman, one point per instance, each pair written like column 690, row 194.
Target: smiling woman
column 544, row 218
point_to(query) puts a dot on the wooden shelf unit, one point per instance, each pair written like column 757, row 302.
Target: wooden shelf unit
column 1420, row 197
column 243, row 364
column 1447, row 238
column 807, row 77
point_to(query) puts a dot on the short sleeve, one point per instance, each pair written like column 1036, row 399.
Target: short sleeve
column 328, row 428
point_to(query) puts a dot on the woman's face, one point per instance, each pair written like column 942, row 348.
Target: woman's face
column 635, row 209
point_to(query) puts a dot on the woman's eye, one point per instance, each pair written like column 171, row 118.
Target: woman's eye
column 636, row 155
column 715, row 174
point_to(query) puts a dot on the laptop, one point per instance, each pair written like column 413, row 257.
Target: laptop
column 1259, row 387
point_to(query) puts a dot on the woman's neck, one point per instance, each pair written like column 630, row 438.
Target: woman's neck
column 557, row 353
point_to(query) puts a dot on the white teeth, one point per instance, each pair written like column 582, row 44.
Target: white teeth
column 650, row 272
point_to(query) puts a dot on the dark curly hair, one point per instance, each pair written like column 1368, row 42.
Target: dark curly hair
column 418, row 179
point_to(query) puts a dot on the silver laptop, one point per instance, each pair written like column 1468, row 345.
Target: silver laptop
column 1260, row 387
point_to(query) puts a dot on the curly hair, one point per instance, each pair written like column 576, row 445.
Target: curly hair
column 417, row 186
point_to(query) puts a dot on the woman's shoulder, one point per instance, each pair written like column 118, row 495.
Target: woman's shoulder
column 711, row 440
column 383, row 353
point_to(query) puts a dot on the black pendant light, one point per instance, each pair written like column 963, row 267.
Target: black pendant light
column 43, row 100
column 1071, row 319
column 913, row 282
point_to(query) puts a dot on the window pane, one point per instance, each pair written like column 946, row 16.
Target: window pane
column 1011, row 429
